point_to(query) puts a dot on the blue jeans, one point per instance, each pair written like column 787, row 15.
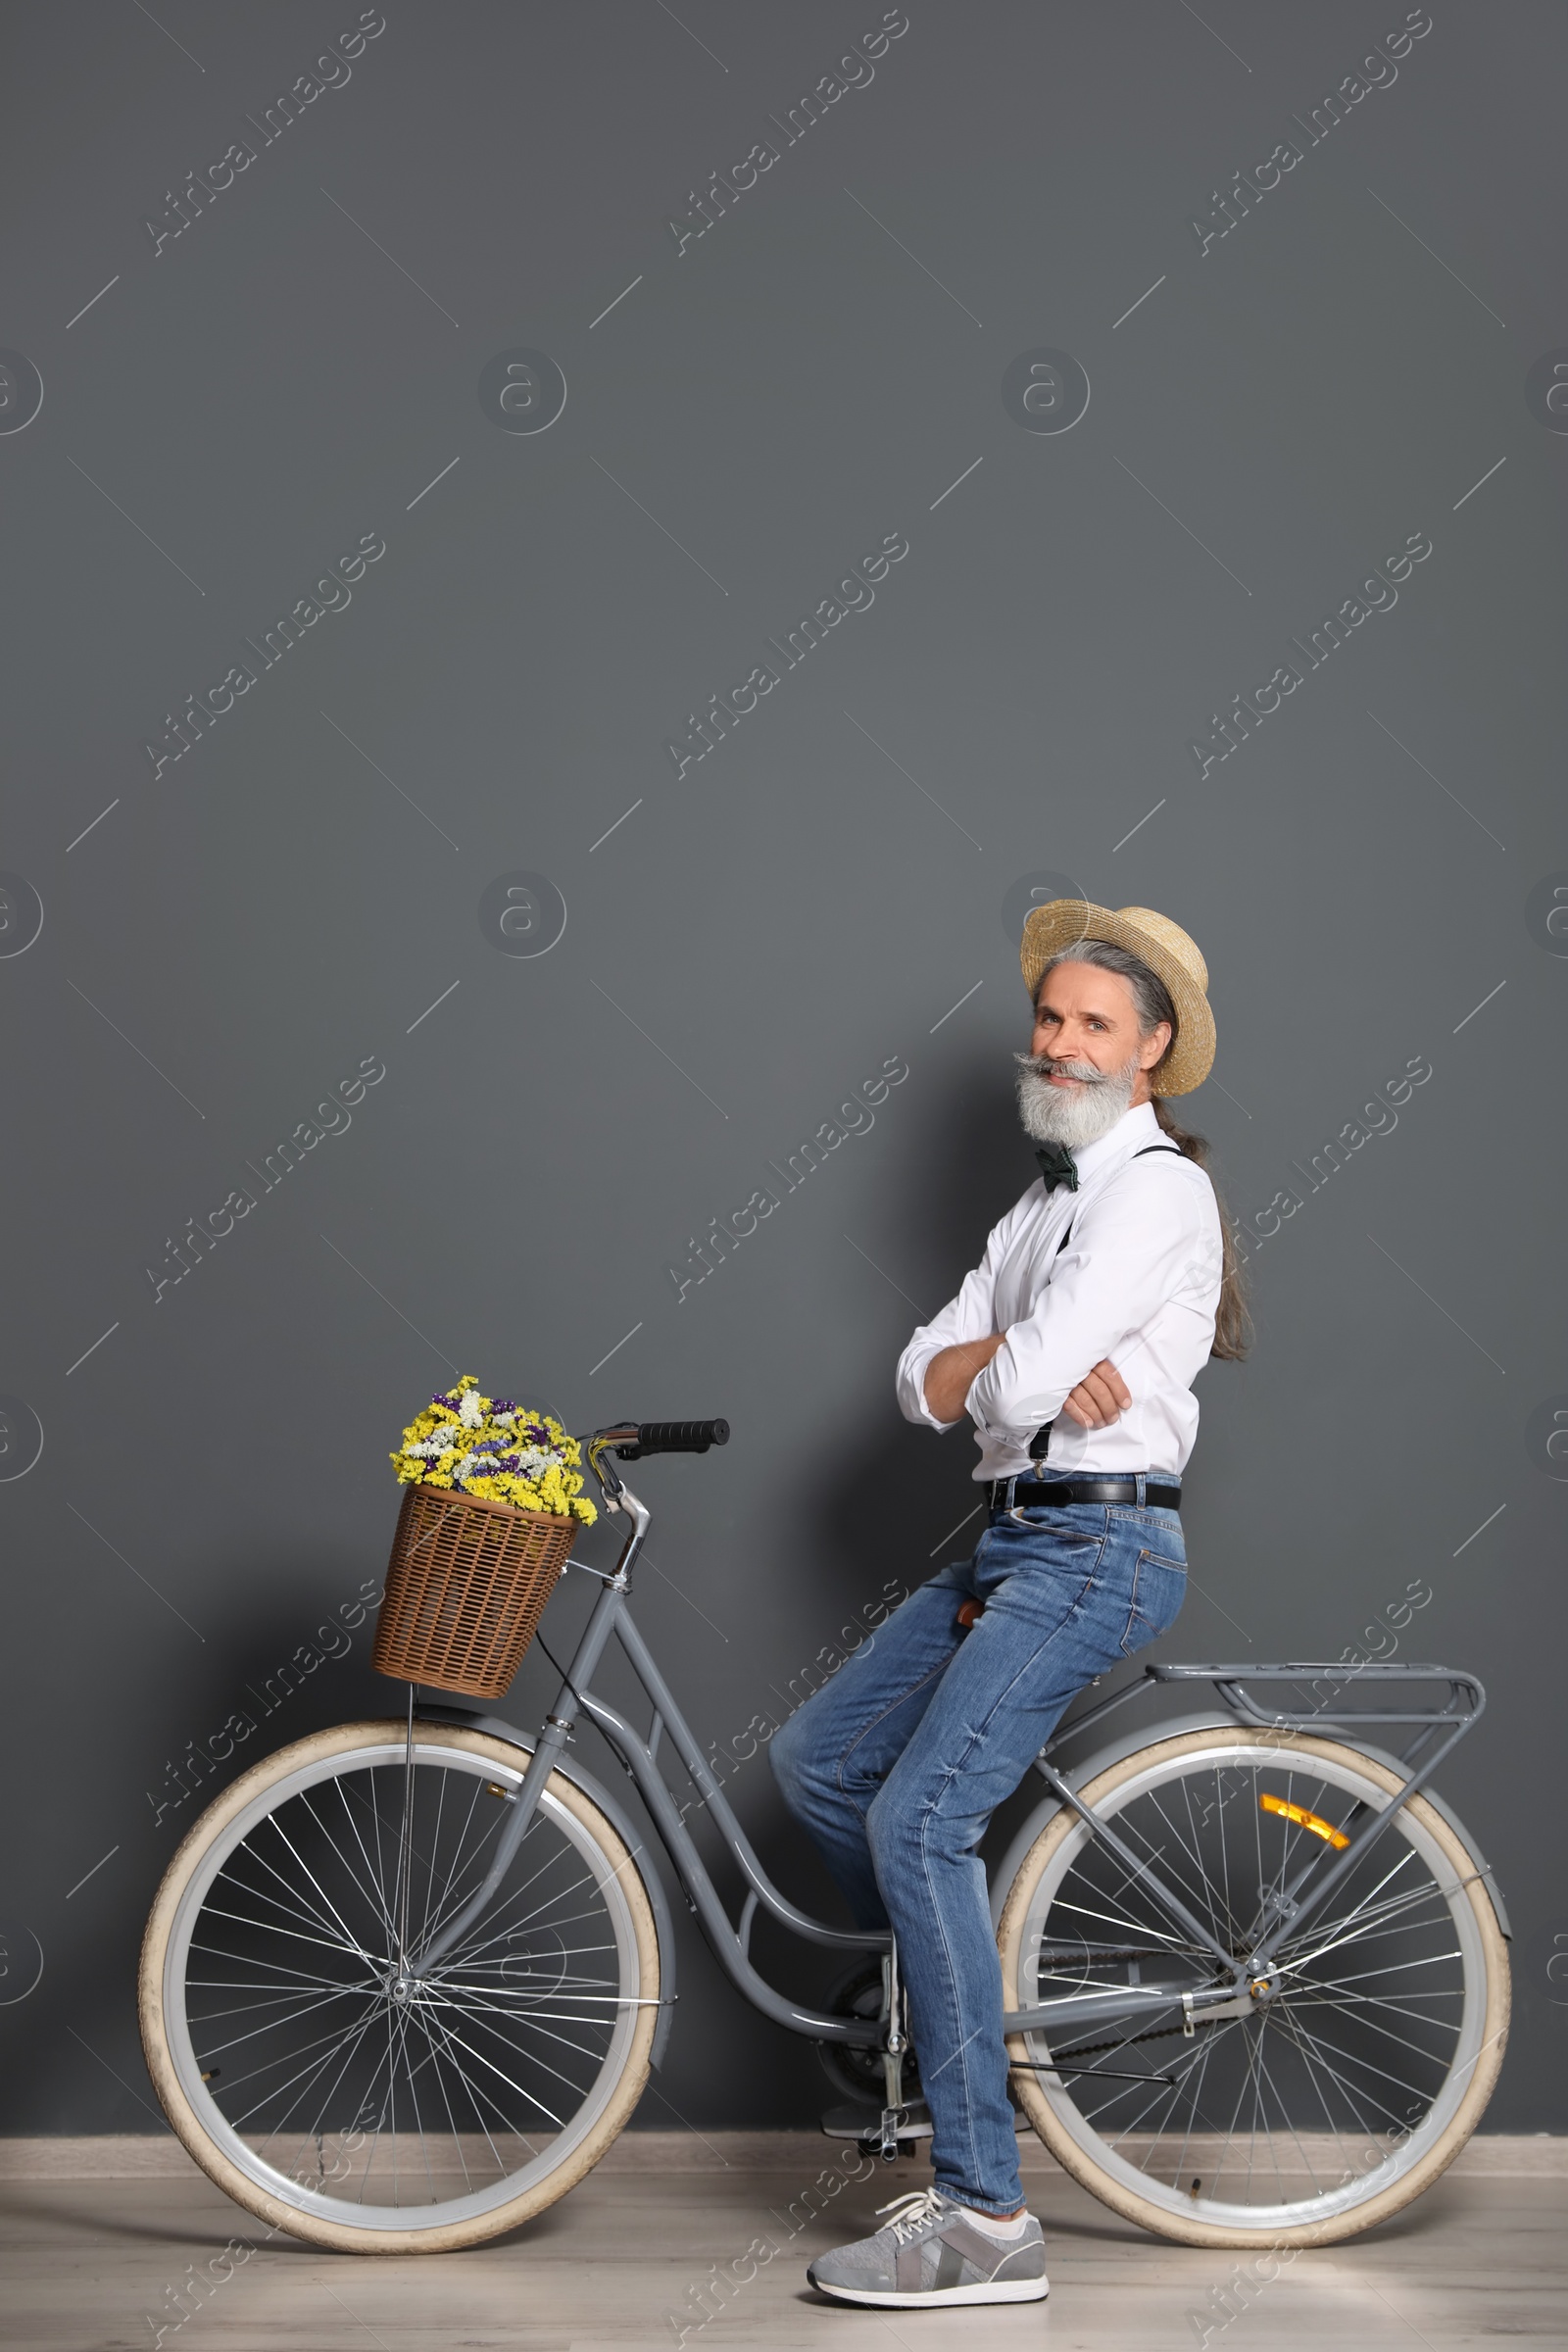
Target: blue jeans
column 897, row 1765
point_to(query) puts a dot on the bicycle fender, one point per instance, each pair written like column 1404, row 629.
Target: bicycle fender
column 620, row 1820
column 1079, row 1776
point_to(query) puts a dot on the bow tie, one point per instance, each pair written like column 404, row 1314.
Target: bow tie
column 1057, row 1167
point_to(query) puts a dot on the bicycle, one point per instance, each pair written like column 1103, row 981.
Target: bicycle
column 403, row 1984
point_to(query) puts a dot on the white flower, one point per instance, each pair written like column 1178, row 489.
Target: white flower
column 470, row 1409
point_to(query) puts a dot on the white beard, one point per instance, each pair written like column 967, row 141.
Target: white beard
column 1072, row 1115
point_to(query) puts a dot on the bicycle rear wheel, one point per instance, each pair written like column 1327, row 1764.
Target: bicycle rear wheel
column 1331, row 2104
column 304, row 2073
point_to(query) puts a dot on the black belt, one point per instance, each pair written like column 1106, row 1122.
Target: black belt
column 1024, row 1492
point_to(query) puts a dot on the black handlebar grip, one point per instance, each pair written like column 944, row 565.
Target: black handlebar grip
column 674, row 1437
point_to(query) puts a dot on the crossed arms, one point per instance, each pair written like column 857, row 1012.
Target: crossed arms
column 1097, row 1400
column 1139, row 1244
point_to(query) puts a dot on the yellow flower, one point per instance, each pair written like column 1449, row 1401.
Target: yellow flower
column 555, row 1487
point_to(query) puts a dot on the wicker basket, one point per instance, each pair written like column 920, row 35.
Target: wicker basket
column 465, row 1588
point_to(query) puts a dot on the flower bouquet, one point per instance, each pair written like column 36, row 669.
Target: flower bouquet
column 492, row 1448
column 492, row 1503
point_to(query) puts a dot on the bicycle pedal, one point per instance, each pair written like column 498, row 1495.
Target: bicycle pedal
column 864, row 2125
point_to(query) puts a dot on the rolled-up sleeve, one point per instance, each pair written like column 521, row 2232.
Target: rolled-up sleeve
column 968, row 1316
column 1137, row 1246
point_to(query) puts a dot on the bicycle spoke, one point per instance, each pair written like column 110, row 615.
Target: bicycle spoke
column 1129, row 2128
column 1308, row 2048
column 1360, row 2008
column 1392, row 1968
column 351, row 2052
column 1368, row 1906
column 448, row 1898
column 455, row 2041
column 332, row 1918
column 468, row 1860
column 293, row 1910
column 1161, row 1935
column 476, row 2092
column 1196, row 1891
column 298, row 1976
column 485, row 2008
column 1333, row 2130
column 334, row 2043
column 435, row 1849
column 1221, row 1801
column 1355, row 2058
column 1373, row 1925
column 372, row 1897
column 221, row 2049
column 496, row 1932
column 388, row 2101
column 1322, row 2047
column 457, row 2137
column 373, row 1869
column 349, row 1950
column 1285, row 2123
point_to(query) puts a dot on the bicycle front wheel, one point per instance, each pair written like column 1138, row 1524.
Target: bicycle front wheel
column 305, row 2074
column 1332, row 2102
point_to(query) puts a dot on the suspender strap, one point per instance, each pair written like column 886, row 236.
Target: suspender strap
column 1040, row 1443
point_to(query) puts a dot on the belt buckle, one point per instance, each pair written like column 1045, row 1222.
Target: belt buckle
column 1048, row 1493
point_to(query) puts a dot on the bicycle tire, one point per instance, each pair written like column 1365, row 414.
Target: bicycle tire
column 1457, row 2001
column 331, row 1800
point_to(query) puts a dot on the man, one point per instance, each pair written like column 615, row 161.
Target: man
column 1071, row 1349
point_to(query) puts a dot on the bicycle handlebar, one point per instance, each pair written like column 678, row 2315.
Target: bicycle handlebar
column 672, row 1436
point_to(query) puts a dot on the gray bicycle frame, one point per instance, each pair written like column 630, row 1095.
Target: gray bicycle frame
column 1438, row 1730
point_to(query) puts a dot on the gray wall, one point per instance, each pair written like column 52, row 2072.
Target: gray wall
column 229, row 933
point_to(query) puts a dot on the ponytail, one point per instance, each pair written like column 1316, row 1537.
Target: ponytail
column 1232, row 1324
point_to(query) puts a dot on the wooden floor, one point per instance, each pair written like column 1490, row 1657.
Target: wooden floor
column 97, row 2264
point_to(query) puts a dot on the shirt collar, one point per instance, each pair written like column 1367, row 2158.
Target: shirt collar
column 1132, row 1131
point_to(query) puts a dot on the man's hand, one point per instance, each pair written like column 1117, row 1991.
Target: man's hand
column 1099, row 1396
column 951, row 1373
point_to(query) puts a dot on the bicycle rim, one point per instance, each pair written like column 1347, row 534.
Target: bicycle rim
column 1323, row 2107
column 452, row 2107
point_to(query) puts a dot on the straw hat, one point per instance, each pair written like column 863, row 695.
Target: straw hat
column 1160, row 944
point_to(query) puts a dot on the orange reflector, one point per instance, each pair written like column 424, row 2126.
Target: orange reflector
column 1305, row 1820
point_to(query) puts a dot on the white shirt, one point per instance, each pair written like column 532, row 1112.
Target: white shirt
column 1138, row 1282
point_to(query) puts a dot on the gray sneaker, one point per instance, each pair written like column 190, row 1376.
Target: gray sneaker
column 931, row 2254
